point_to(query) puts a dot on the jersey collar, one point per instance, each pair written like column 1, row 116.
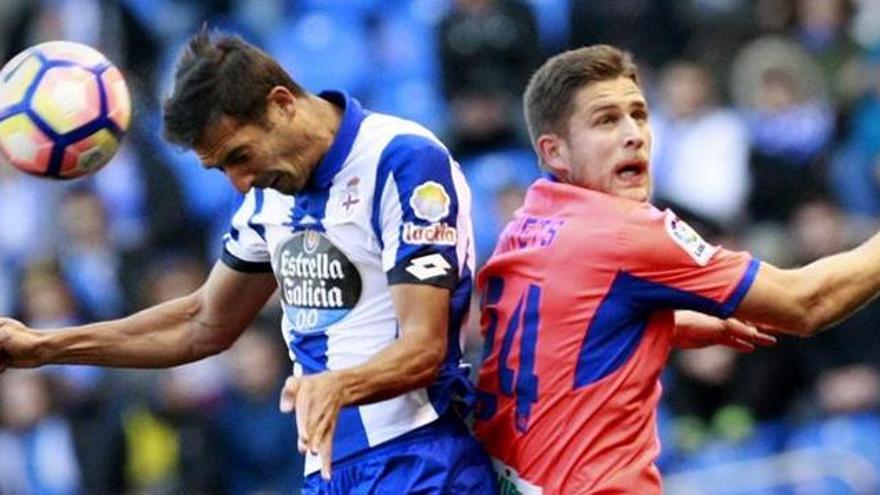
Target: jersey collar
column 353, row 115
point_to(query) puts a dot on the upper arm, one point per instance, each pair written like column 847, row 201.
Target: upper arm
column 423, row 314
column 777, row 300
column 422, row 214
column 228, row 302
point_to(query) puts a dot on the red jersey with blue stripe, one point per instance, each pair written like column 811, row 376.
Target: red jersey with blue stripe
column 577, row 314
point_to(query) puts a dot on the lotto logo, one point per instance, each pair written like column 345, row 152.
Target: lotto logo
column 430, row 266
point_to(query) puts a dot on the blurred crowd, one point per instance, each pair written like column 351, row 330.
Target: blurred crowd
column 766, row 117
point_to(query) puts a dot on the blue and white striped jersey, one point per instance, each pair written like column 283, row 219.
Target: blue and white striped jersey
column 386, row 205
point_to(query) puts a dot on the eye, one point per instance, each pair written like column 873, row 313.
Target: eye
column 606, row 119
column 640, row 115
column 238, row 158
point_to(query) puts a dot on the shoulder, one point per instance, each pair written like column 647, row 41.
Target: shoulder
column 394, row 134
column 650, row 235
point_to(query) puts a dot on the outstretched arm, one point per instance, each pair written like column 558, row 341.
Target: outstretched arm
column 176, row 332
column 805, row 300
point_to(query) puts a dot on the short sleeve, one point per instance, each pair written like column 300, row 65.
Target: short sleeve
column 244, row 245
column 677, row 269
column 421, row 214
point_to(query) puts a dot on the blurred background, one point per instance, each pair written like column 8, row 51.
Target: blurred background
column 766, row 116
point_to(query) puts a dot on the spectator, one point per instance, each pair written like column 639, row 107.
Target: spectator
column 692, row 130
column 488, row 49
column 782, row 92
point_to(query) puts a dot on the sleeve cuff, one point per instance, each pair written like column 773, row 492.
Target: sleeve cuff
column 241, row 265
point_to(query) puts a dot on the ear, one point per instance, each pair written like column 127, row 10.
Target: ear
column 553, row 152
column 281, row 100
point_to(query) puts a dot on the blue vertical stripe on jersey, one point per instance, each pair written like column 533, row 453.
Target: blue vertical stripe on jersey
column 310, row 351
column 620, row 321
column 413, row 160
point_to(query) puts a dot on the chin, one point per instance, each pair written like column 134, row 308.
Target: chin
column 640, row 195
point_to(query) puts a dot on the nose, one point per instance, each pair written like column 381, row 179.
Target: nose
column 632, row 134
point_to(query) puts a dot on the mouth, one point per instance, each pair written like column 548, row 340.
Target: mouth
column 632, row 171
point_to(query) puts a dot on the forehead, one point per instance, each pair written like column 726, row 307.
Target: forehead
column 222, row 135
column 620, row 92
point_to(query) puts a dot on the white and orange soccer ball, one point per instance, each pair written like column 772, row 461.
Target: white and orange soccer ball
column 63, row 110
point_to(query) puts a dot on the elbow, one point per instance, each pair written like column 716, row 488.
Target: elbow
column 809, row 318
column 205, row 339
column 806, row 324
column 428, row 368
column 210, row 345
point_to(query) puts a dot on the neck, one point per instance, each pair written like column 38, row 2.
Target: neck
column 321, row 121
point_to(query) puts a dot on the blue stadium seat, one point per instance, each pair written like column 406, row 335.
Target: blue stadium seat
column 323, row 51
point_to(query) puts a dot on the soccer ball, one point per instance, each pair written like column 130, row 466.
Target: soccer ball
column 63, row 110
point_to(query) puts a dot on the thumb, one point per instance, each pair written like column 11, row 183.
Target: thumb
column 288, row 394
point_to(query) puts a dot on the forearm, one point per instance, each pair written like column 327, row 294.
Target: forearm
column 403, row 366
column 838, row 285
column 165, row 335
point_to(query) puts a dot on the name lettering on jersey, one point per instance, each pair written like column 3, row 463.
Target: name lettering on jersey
column 435, row 233
column 530, row 232
column 318, row 284
column 430, row 266
column 688, row 239
column 430, row 201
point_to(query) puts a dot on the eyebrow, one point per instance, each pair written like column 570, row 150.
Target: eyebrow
column 641, row 105
column 229, row 155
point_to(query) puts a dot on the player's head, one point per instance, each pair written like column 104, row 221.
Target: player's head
column 588, row 121
column 242, row 113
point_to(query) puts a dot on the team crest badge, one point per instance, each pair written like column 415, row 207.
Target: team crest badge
column 688, row 239
column 311, row 241
column 349, row 197
column 430, row 201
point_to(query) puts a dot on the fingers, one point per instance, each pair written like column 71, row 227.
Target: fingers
column 326, row 453
column 317, row 401
column 287, row 403
column 739, row 344
column 748, row 333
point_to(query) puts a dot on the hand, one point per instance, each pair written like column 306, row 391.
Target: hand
column 18, row 345
column 693, row 330
column 317, row 400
